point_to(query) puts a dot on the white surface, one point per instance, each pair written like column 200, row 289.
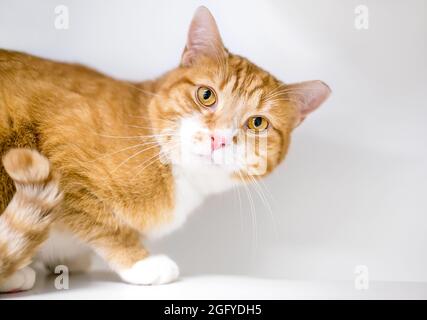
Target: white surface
column 104, row 285
column 353, row 188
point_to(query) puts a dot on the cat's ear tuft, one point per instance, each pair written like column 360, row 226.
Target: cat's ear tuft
column 203, row 38
column 308, row 96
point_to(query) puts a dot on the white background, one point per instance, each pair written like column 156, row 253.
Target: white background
column 353, row 188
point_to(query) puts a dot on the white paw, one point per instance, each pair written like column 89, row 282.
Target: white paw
column 158, row 269
column 21, row 280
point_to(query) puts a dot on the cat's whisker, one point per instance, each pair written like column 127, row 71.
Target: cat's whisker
column 153, row 159
column 294, row 97
column 135, row 137
column 151, row 118
column 237, row 191
column 107, row 135
column 267, row 191
column 253, row 217
column 273, row 92
column 133, row 156
column 161, row 135
column 283, row 89
column 272, row 101
column 287, row 92
column 266, row 204
column 143, row 127
column 150, row 161
column 124, row 149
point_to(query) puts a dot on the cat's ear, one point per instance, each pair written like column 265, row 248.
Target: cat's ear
column 308, row 96
column 203, row 38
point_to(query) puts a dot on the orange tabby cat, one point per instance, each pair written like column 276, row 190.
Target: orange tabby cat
column 93, row 163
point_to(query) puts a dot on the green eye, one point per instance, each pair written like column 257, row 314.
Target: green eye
column 206, row 96
column 257, row 123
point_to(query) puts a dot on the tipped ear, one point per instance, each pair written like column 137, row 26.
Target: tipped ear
column 308, row 96
column 203, row 38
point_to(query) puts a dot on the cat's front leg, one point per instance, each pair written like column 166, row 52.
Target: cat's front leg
column 124, row 252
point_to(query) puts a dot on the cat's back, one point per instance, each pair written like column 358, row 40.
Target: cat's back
column 31, row 88
column 15, row 61
column 30, row 80
column 31, row 71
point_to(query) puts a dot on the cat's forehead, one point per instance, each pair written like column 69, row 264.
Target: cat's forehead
column 235, row 80
column 235, row 71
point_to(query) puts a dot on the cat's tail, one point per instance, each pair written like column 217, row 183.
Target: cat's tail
column 24, row 225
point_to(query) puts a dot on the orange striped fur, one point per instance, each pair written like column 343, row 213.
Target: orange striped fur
column 25, row 222
column 108, row 142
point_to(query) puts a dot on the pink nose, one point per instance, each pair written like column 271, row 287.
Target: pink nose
column 217, row 142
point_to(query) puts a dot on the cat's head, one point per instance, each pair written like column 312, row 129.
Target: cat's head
column 218, row 112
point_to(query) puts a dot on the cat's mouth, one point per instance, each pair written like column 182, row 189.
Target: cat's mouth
column 204, row 156
column 199, row 158
column 217, row 159
column 207, row 158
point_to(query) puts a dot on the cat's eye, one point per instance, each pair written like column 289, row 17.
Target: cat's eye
column 206, row 96
column 257, row 123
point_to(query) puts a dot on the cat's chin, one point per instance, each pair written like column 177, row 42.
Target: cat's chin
column 205, row 163
column 207, row 176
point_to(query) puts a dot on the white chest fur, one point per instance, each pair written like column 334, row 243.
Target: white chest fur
column 192, row 186
column 187, row 198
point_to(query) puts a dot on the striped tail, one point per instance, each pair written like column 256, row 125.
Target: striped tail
column 24, row 225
